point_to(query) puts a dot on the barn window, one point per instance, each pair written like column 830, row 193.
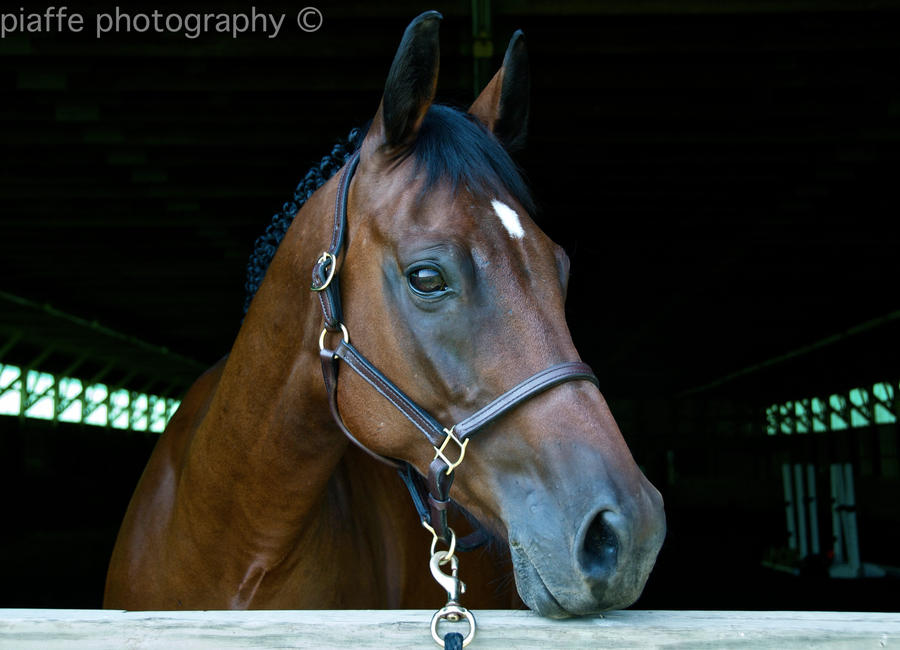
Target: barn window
column 45, row 396
column 859, row 407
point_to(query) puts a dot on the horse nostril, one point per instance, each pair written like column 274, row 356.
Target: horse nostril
column 600, row 548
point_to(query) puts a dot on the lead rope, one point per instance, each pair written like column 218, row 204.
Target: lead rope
column 454, row 641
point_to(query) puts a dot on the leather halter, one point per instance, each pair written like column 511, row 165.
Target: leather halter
column 432, row 499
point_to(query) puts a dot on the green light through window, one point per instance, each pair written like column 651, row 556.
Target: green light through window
column 859, row 407
column 43, row 396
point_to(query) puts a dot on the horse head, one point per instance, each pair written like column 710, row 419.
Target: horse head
column 453, row 291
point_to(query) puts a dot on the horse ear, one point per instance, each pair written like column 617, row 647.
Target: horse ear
column 410, row 85
column 503, row 104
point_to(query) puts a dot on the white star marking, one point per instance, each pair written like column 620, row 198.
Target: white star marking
column 509, row 218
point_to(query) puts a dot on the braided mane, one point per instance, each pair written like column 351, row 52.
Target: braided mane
column 267, row 243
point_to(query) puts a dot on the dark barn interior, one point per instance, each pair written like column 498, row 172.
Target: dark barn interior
column 723, row 175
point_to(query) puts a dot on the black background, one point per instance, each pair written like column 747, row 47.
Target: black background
column 722, row 174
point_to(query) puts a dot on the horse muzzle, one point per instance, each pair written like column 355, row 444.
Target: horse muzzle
column 567, row 565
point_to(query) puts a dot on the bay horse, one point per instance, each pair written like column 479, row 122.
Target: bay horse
column 256, row 496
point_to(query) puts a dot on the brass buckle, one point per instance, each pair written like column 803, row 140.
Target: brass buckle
column 323, row 259
column 439, row 452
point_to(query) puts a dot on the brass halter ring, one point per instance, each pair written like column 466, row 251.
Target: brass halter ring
column 344, row 333
column 434, row 540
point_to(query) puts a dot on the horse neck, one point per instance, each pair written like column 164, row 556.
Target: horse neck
column 263, row 453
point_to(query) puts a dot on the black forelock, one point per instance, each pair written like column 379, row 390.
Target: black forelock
column 451, row 147
column 454, row 147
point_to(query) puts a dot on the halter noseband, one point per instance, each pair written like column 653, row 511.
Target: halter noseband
column 431, row 500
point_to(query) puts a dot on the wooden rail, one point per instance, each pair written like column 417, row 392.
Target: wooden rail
column 98, row 630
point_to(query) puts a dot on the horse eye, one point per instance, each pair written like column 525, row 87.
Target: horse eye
column 427, row 281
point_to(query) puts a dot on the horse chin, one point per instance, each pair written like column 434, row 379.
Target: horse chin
column 532, row 590
column 562, row 601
